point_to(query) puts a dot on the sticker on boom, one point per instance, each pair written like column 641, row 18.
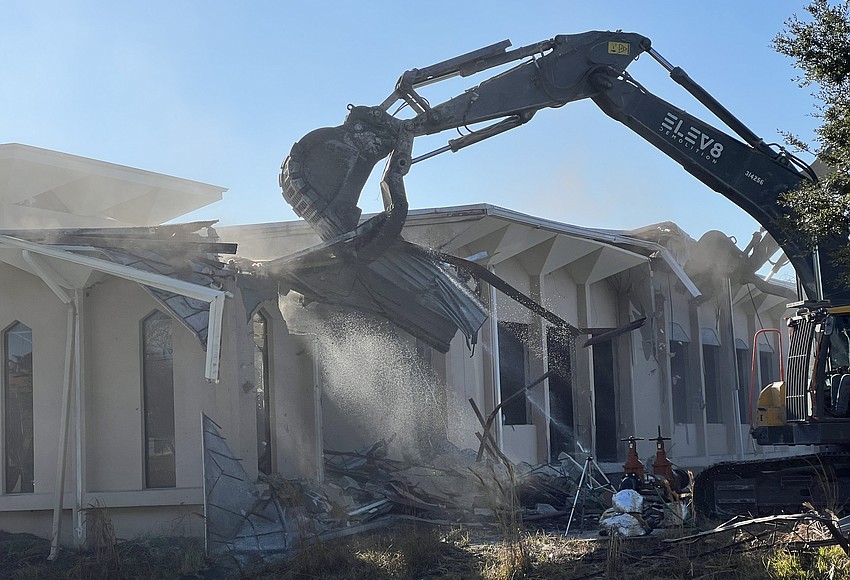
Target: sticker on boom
column 618, row 47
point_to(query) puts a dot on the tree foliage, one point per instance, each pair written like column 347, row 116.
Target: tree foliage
column 820, row 48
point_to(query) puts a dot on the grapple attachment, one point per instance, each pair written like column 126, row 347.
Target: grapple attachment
column 327, row 169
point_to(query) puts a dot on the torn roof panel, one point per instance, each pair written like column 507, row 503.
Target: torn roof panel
column 185, row 252
column 405, row 285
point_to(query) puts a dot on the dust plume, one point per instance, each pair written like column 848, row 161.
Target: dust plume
column 376, row 385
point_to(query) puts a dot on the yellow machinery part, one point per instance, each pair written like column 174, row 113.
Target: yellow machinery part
column 770, row 411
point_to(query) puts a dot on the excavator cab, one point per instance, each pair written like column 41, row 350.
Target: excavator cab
column 836, row 381
column 811, row 405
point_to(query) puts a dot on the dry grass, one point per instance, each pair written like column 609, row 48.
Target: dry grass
column 405, row 553
column 461, row 553
column 24, row 557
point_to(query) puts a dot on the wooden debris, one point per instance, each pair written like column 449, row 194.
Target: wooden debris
column 830, row 523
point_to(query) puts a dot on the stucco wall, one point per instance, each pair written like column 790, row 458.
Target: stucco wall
column 604, row 302
column 651, row 405
column 113, row 390
column 111, row 312
column 561, row 295
column 465, row 378
column 27, row 300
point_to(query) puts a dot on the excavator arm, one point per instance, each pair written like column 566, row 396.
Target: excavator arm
column 326, row 170
column 751, row 175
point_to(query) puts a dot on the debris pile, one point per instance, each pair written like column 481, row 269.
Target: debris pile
column 368, row 486
column 367, row 490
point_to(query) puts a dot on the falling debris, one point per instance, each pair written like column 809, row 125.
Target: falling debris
column 405, row 284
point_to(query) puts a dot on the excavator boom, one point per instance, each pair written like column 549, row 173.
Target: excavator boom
column 326, row 170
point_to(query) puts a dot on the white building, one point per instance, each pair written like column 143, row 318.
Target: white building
column 116, row 340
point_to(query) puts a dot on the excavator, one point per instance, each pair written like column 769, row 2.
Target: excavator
column 326, row 170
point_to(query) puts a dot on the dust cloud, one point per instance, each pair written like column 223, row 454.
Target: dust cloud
column 377, row 385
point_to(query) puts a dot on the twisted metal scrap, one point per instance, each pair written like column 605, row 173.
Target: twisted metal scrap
column 241, row 522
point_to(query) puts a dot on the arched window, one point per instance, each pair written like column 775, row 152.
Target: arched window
column 158, row 401
column 18, row 415
column 261, row 380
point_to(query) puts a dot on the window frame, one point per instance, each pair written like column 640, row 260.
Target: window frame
column 145, row 404
column 511, row 379
column 5, row 410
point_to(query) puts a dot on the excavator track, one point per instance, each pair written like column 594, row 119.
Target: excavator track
column 774, row 486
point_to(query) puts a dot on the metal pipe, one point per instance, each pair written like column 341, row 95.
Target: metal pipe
column 494, row 358
column 661, row 60
column 430, row 154
column 739, row 440
column 317, row 410
column 753, row 395
column 578, row 492
column 57, row 283
column 79, row 521
column 818, row 277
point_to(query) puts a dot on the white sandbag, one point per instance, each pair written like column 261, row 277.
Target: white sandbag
column 627, row 501
column 622, row 524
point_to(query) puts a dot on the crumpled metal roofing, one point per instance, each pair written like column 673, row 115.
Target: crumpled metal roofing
column 177, row 251
column 407, row 285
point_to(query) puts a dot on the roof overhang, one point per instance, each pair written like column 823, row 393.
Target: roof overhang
column 591, row 254
column 764, row 296
column 42, row 188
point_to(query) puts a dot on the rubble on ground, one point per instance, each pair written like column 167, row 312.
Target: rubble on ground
column 453, row 488
column 369, row 489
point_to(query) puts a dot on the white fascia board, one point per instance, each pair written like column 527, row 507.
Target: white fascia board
column 677, row 269
column 215, row 298
column 214, row 337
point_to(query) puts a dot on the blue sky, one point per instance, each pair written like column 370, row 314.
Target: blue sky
column 219, row 91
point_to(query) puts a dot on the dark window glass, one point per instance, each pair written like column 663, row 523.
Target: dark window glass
column 18, row 416
column 559, row 351
column 679, row 382
column 605, row 405
column 261, row 380
column 768, row 368
column 713, row 398
column 744, row 373
column 513, row 355
column 158, row 377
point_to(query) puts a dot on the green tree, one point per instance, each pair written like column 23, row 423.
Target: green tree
column 820, row 48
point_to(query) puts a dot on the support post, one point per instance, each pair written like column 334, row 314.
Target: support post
column 62, row 452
